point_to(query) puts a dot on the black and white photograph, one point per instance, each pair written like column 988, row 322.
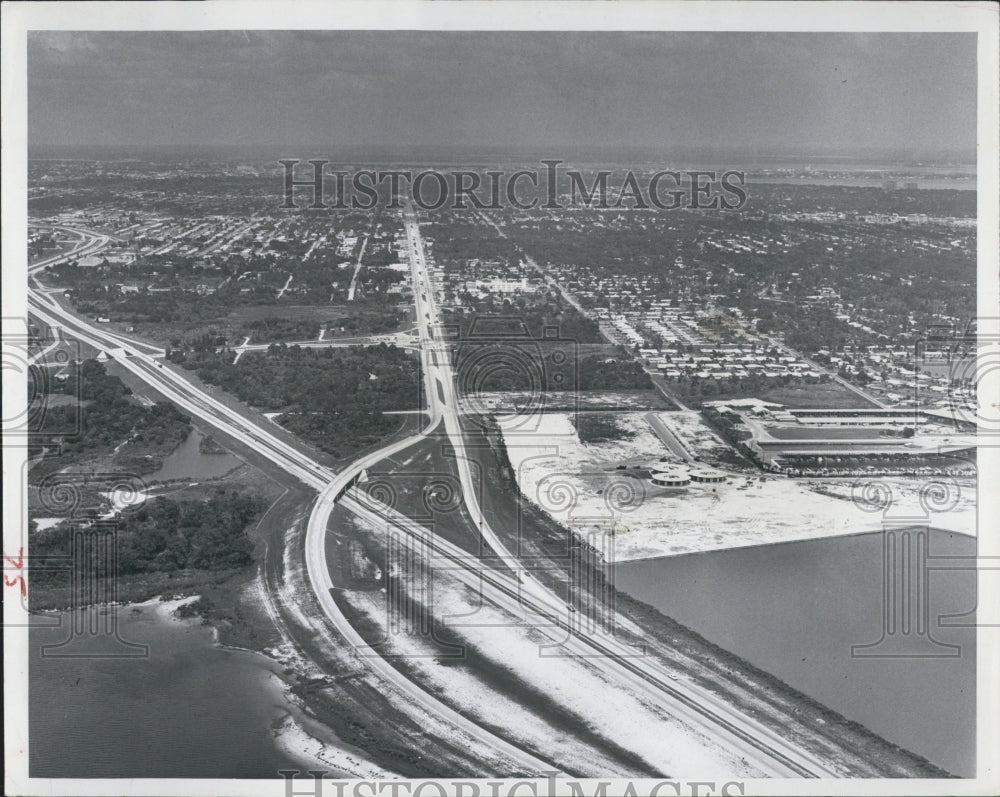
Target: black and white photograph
column 498, row 399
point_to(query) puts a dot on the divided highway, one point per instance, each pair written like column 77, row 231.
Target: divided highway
column 773, row 754
column 508, row 585
column 618, row 662
column 329, row 485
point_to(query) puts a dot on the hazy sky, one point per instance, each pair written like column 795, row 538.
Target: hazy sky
column 818, row 91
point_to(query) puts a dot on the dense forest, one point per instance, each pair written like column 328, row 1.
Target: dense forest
column 599, row 428
column 165, row 535
column 334, row 398
column 602, row 373
column 455, row 238
column 95, row 415
column 279, row 329
column 505, row 367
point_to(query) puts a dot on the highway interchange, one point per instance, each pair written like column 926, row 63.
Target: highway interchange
column 502, row 578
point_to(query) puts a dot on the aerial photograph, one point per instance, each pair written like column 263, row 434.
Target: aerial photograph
column 567, row 406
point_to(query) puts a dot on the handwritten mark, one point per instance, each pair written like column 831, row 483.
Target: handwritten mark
column 17, row 564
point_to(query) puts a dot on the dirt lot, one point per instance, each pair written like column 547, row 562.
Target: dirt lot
column 582, row 487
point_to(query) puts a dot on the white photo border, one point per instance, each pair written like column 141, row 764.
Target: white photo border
column 528, row 15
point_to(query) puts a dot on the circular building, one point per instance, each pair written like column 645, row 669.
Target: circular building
column 676, row 476
column 708, row 475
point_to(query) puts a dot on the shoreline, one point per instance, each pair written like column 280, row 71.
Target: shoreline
column 294, row 733
column 772, row 543
column 299, row 736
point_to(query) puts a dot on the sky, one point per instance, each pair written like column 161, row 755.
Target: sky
column 813, row 92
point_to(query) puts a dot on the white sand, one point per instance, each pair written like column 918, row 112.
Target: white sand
column 304, row 745
column 666, row 743
column 579, row 486
column 123, row 499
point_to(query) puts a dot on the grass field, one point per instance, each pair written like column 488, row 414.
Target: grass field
column 826, row 395
column 829, row 394
column 62, row 247
column 821, row 433
column 163, row 333
column 297, row 312
column 600, row 428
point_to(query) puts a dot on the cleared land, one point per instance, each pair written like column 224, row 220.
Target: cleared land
column 581, row 486
column 829, row 433
column 828, row 394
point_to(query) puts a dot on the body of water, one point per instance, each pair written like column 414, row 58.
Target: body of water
column 188, row 462
column 188, row 709
column 796, row 609
column 933, row 183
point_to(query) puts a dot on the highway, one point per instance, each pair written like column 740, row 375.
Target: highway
column 177, row 389
column 668, row 438
column 328, row 484
column 442, row 395
column 617, row 662
column 322, row 583
column 718, row 720
column 781, row 759
column 90, row 243
column 569, row 298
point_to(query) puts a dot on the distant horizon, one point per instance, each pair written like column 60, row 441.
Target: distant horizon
column 752, row 94
column 470, row 153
